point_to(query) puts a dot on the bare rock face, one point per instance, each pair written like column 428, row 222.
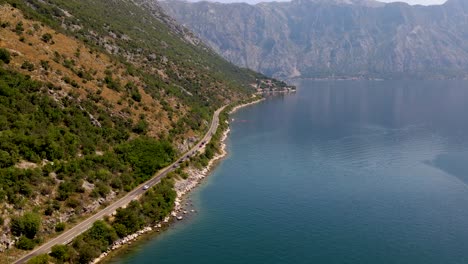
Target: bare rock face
column 6, row 242
column 334, row 38
column 187, row 144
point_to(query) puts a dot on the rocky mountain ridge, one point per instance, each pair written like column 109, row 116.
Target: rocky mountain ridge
column 334, row 39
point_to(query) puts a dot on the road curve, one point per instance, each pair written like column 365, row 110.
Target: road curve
column 67, row 236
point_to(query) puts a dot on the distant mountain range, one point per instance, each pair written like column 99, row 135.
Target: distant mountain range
column 334, row 38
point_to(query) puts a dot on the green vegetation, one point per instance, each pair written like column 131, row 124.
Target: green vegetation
column 59, row 227
column 5, row 55
column 146, row 156
column 19, row 28
column 27, row 66
column 27, row 225
column 60, row 253
column 26, row 228
column 134, row 160
column 47, row 37
column 41, row 259
column 155, row 204
column 45, row 65
column 34, row 127
column 25, row 243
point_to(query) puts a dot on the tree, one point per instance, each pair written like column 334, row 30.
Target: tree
column 87, row 253
column 27, row 225
column 16, row 226
column 60, row 252
column 103, row 233
column 129, row 218
column 32, row 223
column 120, row 229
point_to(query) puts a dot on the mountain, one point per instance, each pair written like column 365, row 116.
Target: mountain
column 339, row 38
column 95, row 97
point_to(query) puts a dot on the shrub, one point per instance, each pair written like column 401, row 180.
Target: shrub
column 136, row 96
column 6, row 160
column 19, row 28
column 59, row 227
column 66, row 79
column 27, row 66
column 45, row 65
column 47, row 37
column 5, row 56
column 141, row 127
column 102, row 189
column 112, row 84
column 73, row 202
column 49, row 211
column 74, row 83
column 5, row 24
column 60, row 252
column 40, row 259
column 25, row 243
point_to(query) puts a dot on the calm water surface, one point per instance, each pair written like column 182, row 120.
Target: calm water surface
column 341, row 172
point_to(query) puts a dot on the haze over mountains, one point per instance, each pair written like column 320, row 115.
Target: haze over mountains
column 335, row 38
column 411, row 2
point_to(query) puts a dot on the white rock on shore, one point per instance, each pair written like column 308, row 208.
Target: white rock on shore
column 182, row 187
column 123, row 241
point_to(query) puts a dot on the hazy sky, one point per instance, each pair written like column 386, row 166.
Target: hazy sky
column 421, row 2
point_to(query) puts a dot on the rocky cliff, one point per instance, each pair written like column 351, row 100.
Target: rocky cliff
column 339, row 38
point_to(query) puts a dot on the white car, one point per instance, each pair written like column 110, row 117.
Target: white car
column 146, row 187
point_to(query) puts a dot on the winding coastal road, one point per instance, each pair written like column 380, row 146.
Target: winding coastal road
column 67, row 236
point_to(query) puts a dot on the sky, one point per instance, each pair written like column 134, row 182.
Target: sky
column 412, row 2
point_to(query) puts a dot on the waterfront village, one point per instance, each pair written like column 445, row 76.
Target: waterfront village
column 267, row 86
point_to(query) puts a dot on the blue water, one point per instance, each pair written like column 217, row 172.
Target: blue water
column 341, row 172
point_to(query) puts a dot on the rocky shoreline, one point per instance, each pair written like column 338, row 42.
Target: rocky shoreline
column 182, row 187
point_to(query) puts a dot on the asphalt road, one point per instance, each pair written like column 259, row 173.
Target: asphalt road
column 67, row 236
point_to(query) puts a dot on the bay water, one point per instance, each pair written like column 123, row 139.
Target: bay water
column 341, row 172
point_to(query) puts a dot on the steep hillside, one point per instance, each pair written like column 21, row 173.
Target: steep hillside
column 322, row 39
column 96, row 96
